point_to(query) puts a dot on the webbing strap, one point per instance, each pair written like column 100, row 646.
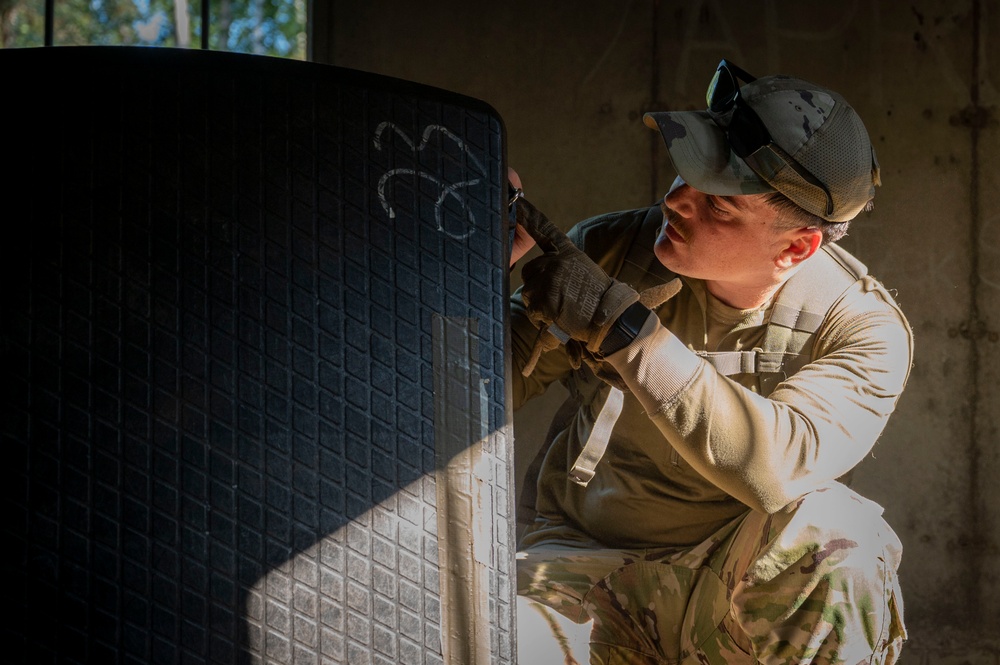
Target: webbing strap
column 642, row 271
column 597, row 443
column 756, row 361
column 796, row 319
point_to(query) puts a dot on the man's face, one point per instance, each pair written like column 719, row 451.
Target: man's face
column 729, row 241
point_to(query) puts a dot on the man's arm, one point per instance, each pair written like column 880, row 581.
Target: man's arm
column 606, row 240
column 815, row 427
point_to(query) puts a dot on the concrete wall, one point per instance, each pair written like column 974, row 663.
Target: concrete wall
column 571, row 81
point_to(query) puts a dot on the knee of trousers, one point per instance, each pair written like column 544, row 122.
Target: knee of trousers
column 826, row 565
column 831, row 527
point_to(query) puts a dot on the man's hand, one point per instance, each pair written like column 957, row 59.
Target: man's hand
column 565, row 288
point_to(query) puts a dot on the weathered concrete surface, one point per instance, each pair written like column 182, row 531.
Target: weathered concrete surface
column 571, row 82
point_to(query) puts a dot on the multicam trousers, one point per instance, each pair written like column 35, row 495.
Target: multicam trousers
column 815, row 583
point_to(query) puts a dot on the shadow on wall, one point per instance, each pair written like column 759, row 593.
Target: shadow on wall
column 255, row 362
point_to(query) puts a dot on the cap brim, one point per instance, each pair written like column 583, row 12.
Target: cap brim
column 701, row 156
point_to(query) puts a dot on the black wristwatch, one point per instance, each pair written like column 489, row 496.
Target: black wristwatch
column 625, row 329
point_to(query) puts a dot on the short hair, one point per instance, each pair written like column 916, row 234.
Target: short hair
column 791, row 216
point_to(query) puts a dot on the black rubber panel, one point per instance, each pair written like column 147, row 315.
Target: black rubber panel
column 228, row 288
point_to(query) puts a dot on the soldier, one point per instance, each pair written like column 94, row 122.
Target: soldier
column 728, row 366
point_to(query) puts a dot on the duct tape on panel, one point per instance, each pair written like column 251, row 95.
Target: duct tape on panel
column 463, row 484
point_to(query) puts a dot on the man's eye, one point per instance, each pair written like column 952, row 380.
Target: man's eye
column 714, row 206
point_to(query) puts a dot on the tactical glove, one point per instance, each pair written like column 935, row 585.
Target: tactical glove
column 566, row 289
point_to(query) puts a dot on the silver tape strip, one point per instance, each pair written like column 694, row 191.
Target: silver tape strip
column 463, row 483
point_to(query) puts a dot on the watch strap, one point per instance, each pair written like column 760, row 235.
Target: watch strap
column 625, row 329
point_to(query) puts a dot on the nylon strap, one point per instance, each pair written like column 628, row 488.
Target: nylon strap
column 642, row 271
column 597, row 443
column 755, row 361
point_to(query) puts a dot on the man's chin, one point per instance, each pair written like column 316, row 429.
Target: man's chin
column 665, row 252
column 668, row 255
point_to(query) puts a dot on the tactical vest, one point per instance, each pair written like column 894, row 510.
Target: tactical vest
column 800, row 308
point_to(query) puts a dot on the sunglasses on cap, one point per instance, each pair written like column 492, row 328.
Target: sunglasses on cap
column 744, row 130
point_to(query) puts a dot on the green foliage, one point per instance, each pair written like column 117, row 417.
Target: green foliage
column 266, row 27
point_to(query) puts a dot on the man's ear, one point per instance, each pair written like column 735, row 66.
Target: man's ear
column 802, row 243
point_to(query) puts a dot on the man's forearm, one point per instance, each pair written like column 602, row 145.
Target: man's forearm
column 766, row 452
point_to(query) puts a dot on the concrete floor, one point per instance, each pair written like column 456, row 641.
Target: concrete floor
column 536, row 640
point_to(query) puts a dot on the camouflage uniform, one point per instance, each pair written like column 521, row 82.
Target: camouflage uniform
column 777, row 586
column 715, row 527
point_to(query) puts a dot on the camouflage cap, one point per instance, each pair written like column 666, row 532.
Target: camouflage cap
column 815, row 126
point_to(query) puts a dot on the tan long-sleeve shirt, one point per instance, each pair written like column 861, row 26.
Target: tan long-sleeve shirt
column 692, row 448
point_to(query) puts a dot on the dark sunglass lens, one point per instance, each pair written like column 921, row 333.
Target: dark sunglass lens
column 747, row 134
column 722, row 90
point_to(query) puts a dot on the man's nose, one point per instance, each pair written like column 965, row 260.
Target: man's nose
column 679, row 198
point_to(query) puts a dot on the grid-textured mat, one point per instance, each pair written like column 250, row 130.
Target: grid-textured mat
column 253, row 364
